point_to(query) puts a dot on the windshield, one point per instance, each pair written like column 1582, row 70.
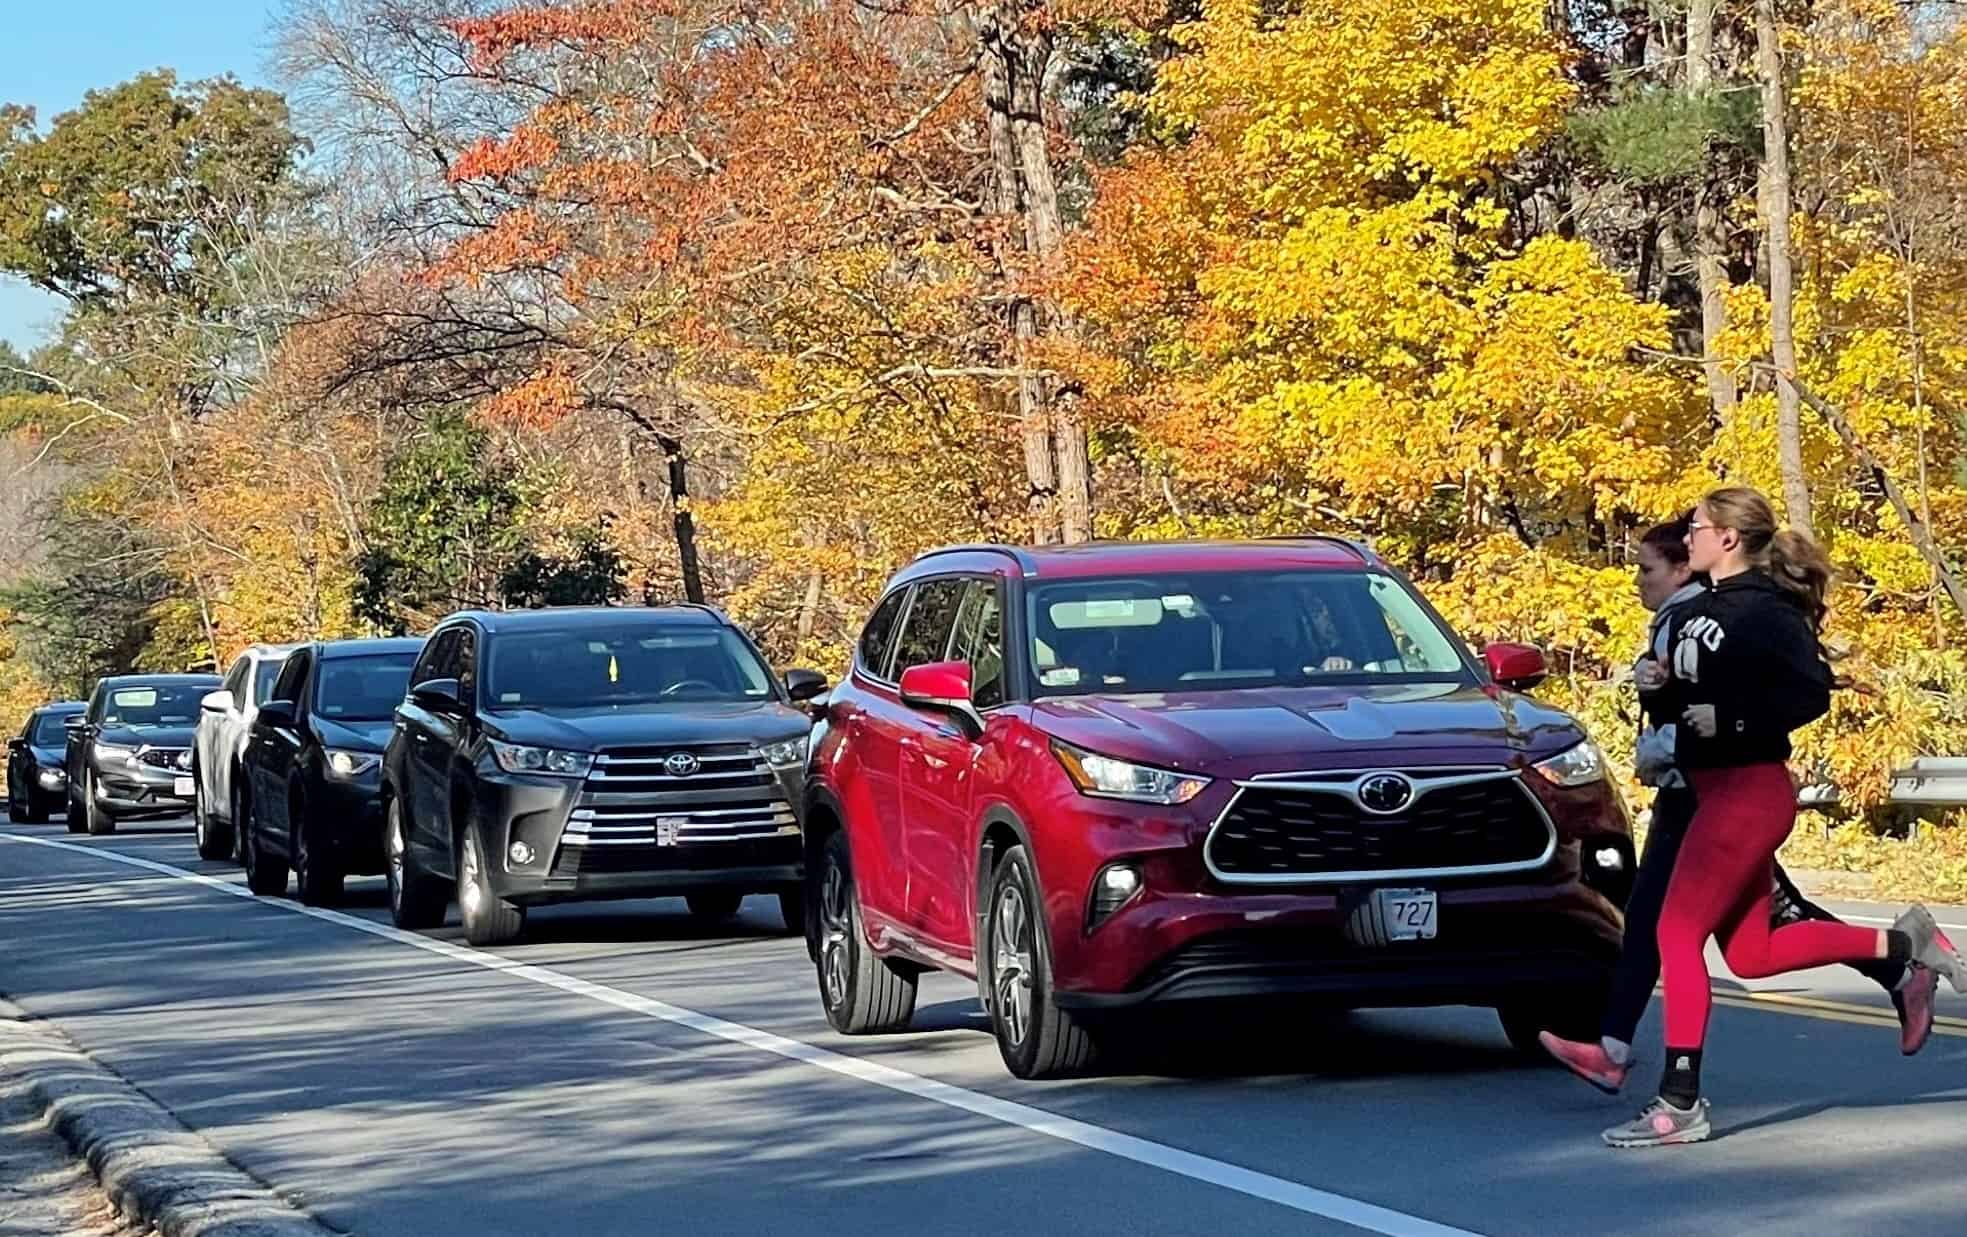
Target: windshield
column 363, row 689
column 48, row 730
column 1235, row 629
column 173, row 704
column 639, row 664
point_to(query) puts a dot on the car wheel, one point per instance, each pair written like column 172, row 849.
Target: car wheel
column 99, row 822
column 213, row 841
column 862, row 992
column 77, row 818
column 792, row 909
column 1036, row 1038
column 265, row 877
column 488, row 918
column 238, row 818
column 714, row 904
column 1574, row 1018
column 316, row 871
column 416, row 898
column 35, row 808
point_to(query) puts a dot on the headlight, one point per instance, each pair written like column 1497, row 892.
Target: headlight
column 52, row 778
column 113, row 751
column 1106, row 777
column 514, row 758
column 1576, row 766
column 345, row 765
column 788, row 754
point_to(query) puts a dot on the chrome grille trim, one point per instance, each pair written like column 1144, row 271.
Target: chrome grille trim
column 630, row 799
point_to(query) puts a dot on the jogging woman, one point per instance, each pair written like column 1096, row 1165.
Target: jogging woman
column 1746, row 670
column 1666, row 584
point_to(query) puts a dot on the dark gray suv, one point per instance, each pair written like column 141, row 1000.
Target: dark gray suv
column 580, row 754
column 129, row 754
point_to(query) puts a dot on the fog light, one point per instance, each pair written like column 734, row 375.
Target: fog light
column 1609, row 858
column 1111, row 889
column 519, row 852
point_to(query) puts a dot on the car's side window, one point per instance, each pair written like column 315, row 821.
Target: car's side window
column 235, row 681
column 94, row 713
column 466, row 664
column 879, row 635
column 292, row 675
column 265, row 675
column 431, row 665
column 931, row 621
column 980, row 641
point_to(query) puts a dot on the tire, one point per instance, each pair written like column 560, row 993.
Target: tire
column 416, row 898
column 36, row 812
column 75, row 819
column 1035, row 1037
column 488, row 918
column 862, row 993
column 98, row 822
column 15, row 813
column 265, row 877
column 213, row 842
column 1575, row 1018
column 239, row 818
column 792, row 909
column 714, row 905
column 318, row 873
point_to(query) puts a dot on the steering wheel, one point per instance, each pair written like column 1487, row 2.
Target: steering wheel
column 673, row 688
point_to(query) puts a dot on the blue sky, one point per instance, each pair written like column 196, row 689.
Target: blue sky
column 54, row 51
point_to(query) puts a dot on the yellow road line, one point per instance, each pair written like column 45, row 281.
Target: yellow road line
column 1829, row 1011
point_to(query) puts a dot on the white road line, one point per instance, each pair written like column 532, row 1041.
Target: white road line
column 1304, row 1198
column 1950, row 927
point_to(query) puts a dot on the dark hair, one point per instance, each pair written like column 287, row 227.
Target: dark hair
column 1791, row 558
column 1669, row 540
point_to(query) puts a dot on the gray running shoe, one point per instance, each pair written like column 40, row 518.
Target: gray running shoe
column 1930, row 946
column 1660, row 1124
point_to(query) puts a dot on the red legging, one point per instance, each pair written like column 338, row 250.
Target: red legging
column 1721, row 887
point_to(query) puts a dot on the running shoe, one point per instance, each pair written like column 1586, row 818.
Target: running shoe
column 1660, row 1124
column 1588, row 1061
column 1930, row 946
column 1914, row 1001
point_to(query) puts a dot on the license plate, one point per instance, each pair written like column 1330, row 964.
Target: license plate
column 666, row 827
column 182, row 788
column 1409, row 914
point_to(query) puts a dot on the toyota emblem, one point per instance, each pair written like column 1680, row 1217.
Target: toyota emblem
column 680, row 764
column 1385, row 793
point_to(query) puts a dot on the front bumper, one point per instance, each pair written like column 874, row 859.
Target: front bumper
column 123, row 789
column 565, row 867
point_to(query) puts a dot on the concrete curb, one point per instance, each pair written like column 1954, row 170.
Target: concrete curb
column 153, row 1168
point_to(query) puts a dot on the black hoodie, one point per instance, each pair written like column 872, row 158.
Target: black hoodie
column 1748, row 649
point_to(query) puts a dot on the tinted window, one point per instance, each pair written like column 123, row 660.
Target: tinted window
column 931, row 619
column 264, row 679
column 163, row 704
column 464, row 663
column 880, row 633
column 363, row 689
column 431, row 665
column 48, row 730
column 293, row 673
column 980, row 641
column 1241, row 629
column 642, row 663
column 235, row 681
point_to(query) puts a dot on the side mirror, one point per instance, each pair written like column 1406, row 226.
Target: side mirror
column 277, row 713
column 1518, row 667
column 943, row 687
column 216, row 702
column 803, row 685
column 438, row 694
column 16, row 743
column 76, row 724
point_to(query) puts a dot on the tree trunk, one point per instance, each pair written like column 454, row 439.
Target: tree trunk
column 686, row 526
column 1710, row 234
column 1775, row 195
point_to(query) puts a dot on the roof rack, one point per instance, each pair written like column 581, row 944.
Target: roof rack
column 1026, row 563
column 1356, row 546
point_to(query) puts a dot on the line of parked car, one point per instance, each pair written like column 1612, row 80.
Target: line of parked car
column 1098, row 781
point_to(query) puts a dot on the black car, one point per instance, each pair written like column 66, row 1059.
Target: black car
column 36, row 781
column 312, row 766
column 579, row 754
column 129, row 753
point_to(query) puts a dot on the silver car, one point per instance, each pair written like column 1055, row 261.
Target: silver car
column 225, row 721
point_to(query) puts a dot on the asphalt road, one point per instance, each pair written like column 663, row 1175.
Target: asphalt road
column 624, row 1071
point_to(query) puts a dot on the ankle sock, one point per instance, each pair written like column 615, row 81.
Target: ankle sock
column 1617, row 1049
column 1898, row 946
column 1680, row 1084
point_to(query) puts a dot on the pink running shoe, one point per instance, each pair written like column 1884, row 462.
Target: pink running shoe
column 1914, row 1001
column 1588, row 1061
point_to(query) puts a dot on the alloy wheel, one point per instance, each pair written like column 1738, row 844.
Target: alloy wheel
column 470, row 894
column 393, row 843
column 836, row 921
column 1010, row 965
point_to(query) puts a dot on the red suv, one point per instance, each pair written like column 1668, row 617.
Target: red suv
column 1114, row 776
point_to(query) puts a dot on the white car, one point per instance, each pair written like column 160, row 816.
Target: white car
column 223, row 725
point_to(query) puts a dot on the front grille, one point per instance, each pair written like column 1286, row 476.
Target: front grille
column 632, row 801
column 177, row 759
column 1277, row 833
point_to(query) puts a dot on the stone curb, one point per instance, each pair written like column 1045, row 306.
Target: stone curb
column 153, row 1168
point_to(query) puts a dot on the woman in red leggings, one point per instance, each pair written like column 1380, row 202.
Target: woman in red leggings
column 1746, row 670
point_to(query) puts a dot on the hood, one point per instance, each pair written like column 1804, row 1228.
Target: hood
column 147, row 736
column 1280, row 730
column 53, row 756
column 354, row 736
column 595, row 728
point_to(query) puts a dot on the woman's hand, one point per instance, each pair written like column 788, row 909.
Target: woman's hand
column 1649, row 675
column 1701, row 720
